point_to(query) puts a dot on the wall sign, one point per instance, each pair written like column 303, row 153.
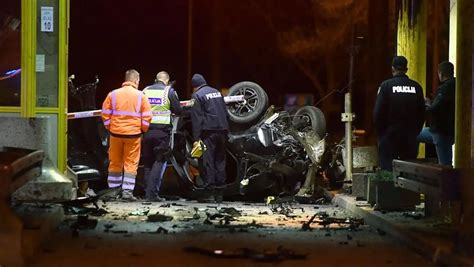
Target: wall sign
column 47, row 16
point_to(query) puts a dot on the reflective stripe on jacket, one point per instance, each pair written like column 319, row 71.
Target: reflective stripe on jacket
column 160, row 104
column 126, row 111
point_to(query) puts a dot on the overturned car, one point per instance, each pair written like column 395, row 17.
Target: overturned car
column 269, row 151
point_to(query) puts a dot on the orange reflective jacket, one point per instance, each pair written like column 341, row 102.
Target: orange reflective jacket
column 126, row 111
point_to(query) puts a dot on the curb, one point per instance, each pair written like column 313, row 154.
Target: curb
column 438, row 254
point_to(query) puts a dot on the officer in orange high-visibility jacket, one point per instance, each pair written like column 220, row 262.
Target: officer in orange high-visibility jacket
column 126, row 113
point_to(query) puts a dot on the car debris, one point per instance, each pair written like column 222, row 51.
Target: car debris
column 282, row 205
column 325, row 221
column 140, row 212
column 231, row 211
column 307, row 225
column 103, row 195
column 157, row 217
column 161, row 230
column 85, row 210
column 278, row 255
column 119, row 231
column 414, row 215
column 251, row 225
column 83, row 222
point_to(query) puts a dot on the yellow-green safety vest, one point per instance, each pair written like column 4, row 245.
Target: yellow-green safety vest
column 160, row 104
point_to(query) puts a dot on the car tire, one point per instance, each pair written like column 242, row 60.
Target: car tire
column 255, row 106
column 315, row 118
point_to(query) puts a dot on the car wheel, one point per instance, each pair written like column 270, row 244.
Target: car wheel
column 313, row 118
column 253, row 108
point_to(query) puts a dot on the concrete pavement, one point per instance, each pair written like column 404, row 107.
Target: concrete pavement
column 429, row 237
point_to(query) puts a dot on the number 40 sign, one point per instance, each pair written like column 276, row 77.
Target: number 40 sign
column 47, row 22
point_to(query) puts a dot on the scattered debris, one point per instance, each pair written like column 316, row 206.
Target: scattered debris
column 278, row 255
column 263, row 213
column 177, row 204
column 414, row 215
column 140, row 212
column 253, row 224
column 85, row 210
column 146, row 203
column 83, row 222
column 119, row 231
column 108, row 226
column 103, row 195
column 157, row 217
column 166, row 205
column 307, row 225
column 161, row 230
column 231, row 211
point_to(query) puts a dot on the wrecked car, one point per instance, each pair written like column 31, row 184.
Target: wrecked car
column 269, row 151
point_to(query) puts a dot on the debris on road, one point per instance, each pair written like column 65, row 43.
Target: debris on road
column 140, row 212
column 83, row 222
column 253, row 224
column 161, row 230
column 85, row 210
column 231, row 211
column 325, row 220
column 414, row 215
column 157, row 217
column 307, row 225
column 278, row 255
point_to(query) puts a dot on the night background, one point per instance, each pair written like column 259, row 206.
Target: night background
column 302, row 47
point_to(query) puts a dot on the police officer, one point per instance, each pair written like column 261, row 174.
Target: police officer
column 210, row 124
column 156, row 142
column 398, row 115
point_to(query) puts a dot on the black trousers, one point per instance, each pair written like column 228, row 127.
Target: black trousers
column 214, row 158
column 396, row 145
column 155, row 147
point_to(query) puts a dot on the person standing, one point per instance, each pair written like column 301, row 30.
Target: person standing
column 441, row 130
column 126, row 115
column 156, row 142
column 398, row 115
column 209, row 118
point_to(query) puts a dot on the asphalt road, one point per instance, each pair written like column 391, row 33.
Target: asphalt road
column 124, row 237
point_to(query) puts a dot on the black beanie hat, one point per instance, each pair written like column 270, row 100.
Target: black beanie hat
column 197, row 80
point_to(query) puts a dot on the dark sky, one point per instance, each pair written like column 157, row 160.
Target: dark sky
column 107, row 38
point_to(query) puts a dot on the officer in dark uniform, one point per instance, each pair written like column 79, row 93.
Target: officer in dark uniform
column 398, row 115
column 210, row 124
column 156, row 142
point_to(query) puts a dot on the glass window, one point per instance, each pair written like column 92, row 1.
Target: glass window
column 47, row 53
column 10, row 52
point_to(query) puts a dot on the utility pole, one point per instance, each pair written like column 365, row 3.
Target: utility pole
column 348, row 116
column 189, row 63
